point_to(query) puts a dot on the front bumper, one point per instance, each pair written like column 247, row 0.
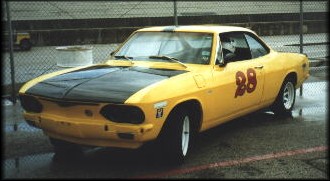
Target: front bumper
column 105, row 134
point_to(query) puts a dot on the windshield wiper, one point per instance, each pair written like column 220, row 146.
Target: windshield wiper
column 125, row 57
column 171, row 59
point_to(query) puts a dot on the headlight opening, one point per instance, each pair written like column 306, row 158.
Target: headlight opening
column 123, row 114
column 30, row 104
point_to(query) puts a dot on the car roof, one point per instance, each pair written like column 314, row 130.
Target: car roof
column 198, row 28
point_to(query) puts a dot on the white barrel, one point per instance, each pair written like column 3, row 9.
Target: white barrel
column 73, row 56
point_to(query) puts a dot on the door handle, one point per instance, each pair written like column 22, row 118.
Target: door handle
column 259, row 67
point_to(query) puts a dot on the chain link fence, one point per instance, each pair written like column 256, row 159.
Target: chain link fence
column 103, row 25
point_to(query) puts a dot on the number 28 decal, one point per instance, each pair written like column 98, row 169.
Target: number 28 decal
column 241, row 83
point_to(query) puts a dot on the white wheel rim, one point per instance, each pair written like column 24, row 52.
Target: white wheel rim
column 185, row 136
column 288, row 95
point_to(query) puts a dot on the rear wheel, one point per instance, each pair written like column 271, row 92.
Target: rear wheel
column 25, row 45
column 285, row 100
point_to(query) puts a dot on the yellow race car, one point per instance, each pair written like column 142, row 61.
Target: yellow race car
column 163, row 84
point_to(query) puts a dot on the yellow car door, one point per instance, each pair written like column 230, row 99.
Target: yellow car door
column 238, row 88
column 238, row 84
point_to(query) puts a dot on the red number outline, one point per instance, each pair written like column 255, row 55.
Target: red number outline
column 242, row 86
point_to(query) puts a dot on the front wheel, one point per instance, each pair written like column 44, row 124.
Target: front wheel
column 177, row 137
column 285, row 100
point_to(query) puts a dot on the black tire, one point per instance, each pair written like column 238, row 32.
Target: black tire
column 65, row 151
column 176, row 140
column 25, row 45
column 285, row 100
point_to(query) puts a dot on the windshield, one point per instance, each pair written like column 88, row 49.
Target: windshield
column 194, row 48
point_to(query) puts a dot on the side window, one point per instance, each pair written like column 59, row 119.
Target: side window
column 234, row 47
column 256, row 48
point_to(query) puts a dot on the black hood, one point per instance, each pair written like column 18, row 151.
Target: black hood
column 100, row 83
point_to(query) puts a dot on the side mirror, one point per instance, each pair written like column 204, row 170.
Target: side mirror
column 229, row 57
column 113, row 52
column 221, row 63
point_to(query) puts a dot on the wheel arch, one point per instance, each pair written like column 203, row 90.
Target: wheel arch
column 193, row 107
column 292, row 76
